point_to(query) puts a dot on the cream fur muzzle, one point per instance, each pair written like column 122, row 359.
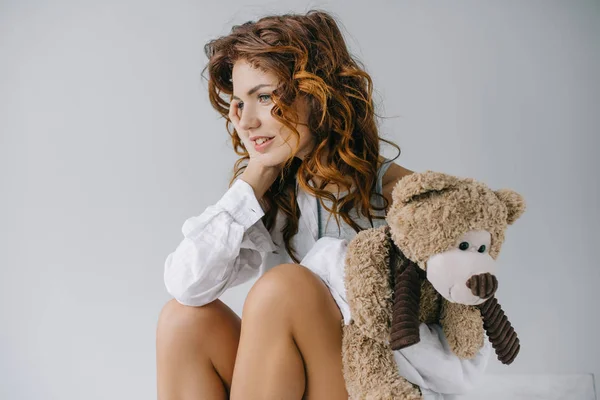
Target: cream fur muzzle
column 449, row 271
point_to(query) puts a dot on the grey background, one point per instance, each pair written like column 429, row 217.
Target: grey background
column 108, row 143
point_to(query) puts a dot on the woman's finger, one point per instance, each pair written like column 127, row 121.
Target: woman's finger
column 235, row 120
column 233, row 113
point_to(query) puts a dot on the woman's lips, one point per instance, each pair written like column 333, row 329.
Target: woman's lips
column 261, row 147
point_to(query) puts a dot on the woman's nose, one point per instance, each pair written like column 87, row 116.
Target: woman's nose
column 249, row 120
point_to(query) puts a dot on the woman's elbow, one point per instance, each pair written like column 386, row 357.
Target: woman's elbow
column 187, row 297
column 176, row 285
column 194, row 294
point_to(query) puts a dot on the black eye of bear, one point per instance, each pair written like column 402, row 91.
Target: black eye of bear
column 481, row 248
column 463, row 245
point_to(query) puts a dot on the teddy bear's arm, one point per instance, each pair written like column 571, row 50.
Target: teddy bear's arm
column 501, row 333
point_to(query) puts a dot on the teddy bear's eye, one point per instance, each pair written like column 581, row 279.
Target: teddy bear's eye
column 463, row 245
column 481, row 248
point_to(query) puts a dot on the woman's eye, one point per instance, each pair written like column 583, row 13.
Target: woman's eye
column 264, row 97
column 463, row 245
column 481, row 248
column 240, row 106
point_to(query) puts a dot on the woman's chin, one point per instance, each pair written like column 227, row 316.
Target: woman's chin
column 272, row 160
column 268, row 162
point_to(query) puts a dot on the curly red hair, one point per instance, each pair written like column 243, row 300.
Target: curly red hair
column 310, row 58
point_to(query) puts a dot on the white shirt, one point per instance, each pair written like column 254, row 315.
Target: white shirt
column 228, row 245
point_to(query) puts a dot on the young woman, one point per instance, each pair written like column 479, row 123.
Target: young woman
column 300, row 115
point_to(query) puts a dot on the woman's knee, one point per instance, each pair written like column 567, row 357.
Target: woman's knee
column 177, row 321
column 287, row 288
column 195, row 350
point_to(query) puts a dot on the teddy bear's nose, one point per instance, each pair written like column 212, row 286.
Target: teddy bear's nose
column 483, row 285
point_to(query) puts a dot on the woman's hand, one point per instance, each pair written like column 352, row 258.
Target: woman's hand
column 257, row 174
column 234, row 117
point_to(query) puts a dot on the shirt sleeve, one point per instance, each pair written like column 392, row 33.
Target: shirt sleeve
column 434, row 367
column 326, row 259
column 221, row 248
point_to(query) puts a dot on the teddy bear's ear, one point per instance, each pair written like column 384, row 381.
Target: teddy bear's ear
column 514, row 202
column 419, row 183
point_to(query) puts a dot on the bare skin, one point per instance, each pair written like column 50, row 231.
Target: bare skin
column 391, row 177
column 291, row 341
column 195, row 350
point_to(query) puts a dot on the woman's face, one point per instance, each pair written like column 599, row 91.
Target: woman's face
column 251, row 115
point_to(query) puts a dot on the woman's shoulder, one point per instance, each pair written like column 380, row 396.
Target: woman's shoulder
column 391, row 177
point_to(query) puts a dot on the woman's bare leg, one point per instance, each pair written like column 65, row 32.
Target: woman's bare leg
column 291, row 339
column 195, row 351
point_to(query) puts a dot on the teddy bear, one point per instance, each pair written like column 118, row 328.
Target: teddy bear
column 434, row 262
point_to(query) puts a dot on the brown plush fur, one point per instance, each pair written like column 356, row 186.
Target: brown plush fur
column 429, row 312
column 370, row 370
column 368, row 284
column 463, row 327
column 429, row 212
